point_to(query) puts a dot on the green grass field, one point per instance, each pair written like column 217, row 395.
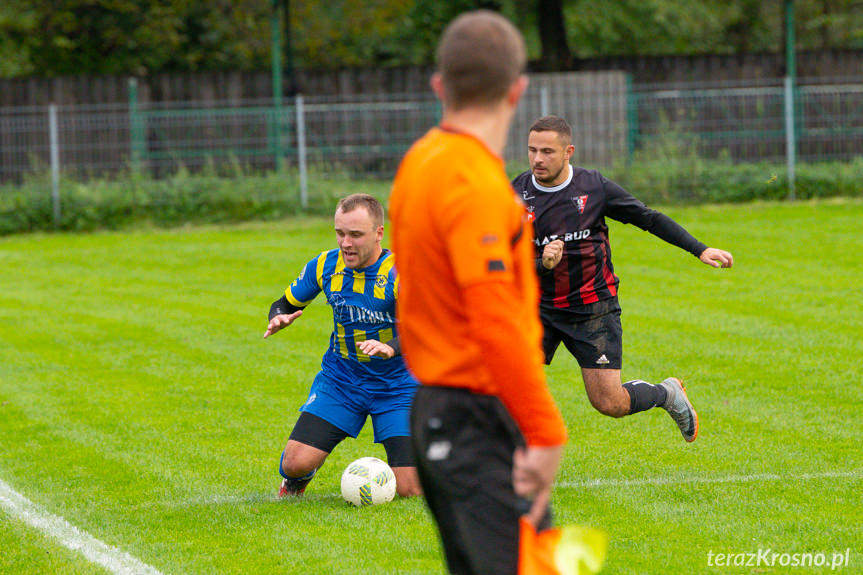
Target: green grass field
column 139, row 402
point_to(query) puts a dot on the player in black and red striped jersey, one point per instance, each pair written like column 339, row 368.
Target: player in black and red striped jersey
column 579, row 306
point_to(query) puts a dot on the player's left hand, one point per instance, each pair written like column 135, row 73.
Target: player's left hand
column 374, row 347
column 717, row 258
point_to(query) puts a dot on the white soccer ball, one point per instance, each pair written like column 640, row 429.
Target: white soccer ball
column 368, row 481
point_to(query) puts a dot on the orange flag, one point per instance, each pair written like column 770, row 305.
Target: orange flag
column 568, row 550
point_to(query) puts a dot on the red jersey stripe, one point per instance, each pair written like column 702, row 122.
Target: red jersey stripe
column 607, row 274
column 588, row 270
column 561, row 284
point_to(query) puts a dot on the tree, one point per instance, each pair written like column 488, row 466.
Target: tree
column 552, row 34
column 16, row 22
column 745, row 26
column 74, row 37
column 427, row 19
column 829, row 23
column 99, row 37
column 77, row 37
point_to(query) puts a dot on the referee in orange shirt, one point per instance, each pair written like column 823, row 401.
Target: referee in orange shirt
column 486, row 433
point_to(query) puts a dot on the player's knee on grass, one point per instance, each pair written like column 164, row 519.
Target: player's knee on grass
column 400, row 457
column 298, row 460
column 311, row 441
column 407, row 482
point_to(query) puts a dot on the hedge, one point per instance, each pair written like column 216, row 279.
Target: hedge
column 186, row 198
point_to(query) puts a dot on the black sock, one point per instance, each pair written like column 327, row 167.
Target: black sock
column 643, row 395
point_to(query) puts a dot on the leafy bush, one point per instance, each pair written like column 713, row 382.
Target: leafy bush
column 209, row 197
column 720, row 182
column 174, row 201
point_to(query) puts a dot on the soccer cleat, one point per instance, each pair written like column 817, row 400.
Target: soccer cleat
column 680, row 409
column 294, row 487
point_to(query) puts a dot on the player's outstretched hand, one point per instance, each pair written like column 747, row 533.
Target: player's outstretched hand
column 374, row 347
column 533, row 473
column 552, row 254
column 717, row 258
column 281, row 321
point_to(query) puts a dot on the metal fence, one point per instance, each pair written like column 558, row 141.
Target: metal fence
column 365, row 136
column 613, row 121
column 749, row 123
column 361, row 135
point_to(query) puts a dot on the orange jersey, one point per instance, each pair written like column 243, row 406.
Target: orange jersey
column 468, row 299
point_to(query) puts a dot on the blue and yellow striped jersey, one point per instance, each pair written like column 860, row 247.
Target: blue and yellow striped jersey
column 364, row 307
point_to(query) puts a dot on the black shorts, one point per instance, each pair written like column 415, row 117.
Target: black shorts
column 463, row 444
column 321, row 434
column 594, row 338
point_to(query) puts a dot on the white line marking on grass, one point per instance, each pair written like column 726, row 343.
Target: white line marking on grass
column 752, row 478
column 111, row 558
column 256, row 498
column 251, row 499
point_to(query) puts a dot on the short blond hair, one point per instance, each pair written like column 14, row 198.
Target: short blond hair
column 374, row 208
column 480, row 55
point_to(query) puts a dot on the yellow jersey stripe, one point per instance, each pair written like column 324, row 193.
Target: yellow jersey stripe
column 385, row 335
column 359, row 282
column 338, row 274
column 319, row 271
column 384, row 270
column 294, row 301
column 396, row 287
column 359, row 336
column 341, row 345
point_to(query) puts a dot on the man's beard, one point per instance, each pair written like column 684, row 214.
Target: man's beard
column 550, row 179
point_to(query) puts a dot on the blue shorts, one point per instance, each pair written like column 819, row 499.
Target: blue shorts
column 347, row 406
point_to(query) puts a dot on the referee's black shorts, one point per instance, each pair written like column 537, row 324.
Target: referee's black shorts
column 463, row 444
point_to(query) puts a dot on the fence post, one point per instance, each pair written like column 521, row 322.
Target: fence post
column 301, row 151
column 55, row 162
column 276, row 62
column 136, row 132
column 790, row 94
column 631, row 120
column 543, row 101
column 790, row 136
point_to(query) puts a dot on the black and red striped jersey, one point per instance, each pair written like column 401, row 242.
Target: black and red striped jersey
column 575, row 212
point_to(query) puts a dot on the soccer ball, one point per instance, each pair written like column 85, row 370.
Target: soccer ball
column 368, row 481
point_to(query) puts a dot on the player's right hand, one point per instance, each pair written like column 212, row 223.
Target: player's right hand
column 375, row 347
column 552, row 254
column 281, row 321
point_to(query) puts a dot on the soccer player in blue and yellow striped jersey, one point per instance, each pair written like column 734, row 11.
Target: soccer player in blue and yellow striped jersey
column 362, row 372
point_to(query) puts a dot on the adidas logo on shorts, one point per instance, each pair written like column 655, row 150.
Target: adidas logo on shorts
column 602, row 360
